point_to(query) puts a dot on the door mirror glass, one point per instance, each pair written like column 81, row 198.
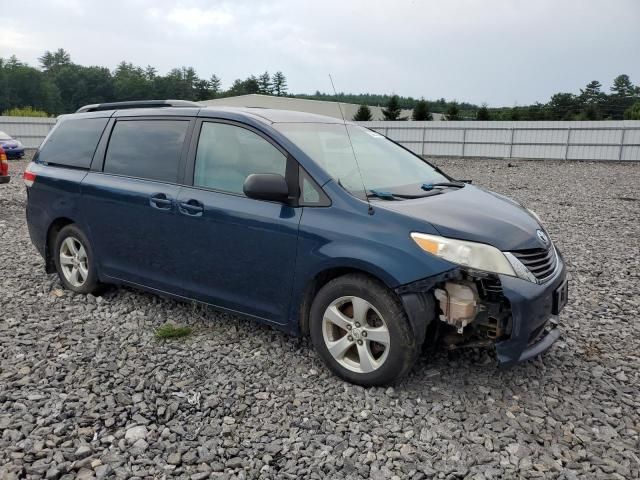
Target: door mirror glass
column 266, row 186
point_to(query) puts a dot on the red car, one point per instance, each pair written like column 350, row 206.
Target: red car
column 4, row 167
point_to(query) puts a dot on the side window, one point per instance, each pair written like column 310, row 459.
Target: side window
column 146, row 149
column 73, row 142
column 228, row 154
column 310, row 193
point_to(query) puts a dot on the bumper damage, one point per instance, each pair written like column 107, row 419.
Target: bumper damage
column 470, row 309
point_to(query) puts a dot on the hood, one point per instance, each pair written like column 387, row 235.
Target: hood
column 476, row 215
column 8, row 143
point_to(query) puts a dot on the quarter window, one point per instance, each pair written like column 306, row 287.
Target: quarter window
column 146, row 149
column 228, row 154
column 73, row 142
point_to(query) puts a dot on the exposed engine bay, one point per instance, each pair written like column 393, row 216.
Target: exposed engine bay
column 473, row 310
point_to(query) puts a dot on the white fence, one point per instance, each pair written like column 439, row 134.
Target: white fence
column 29, row 130
column 599, row 140
column 604, row 140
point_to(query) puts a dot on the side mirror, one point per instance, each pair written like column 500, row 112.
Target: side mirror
column 266, row 186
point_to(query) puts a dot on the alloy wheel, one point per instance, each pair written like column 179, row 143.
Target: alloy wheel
column 74, row 262
column 356, row 335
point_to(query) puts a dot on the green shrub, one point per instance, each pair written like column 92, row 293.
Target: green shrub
column 25, row 112
column 168, row 330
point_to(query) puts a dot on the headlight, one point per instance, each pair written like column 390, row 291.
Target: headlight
column 479, row 256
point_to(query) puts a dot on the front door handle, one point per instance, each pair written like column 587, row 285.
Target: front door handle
column 161, row 201
column 192, row 207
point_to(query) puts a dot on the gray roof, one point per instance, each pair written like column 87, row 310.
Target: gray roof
column 273, row 115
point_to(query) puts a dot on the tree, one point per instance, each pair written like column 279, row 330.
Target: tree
column 265, row 86
column 453, row 111
column 279, row 82
column 563, row 106
column 421, row 111
column 363, row 114
column 393, row 110
column 50, row 61
column 633, row 112
column 483, row 113
column 214, row 85
column 622, row 86
column 591, row 93
column 590, row 112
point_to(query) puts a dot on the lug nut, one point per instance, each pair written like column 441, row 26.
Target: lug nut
column 364, row 334
column 350, row 338
column 357, row 325
column 359, row 342
column 348, row 327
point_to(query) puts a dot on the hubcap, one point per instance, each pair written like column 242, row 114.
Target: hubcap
column 355, row 334
column 74, row 262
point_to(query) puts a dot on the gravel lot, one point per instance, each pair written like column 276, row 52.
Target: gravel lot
column 87, row 391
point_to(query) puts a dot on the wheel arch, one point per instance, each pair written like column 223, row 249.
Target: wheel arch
column 320, row 280
column 52, row 232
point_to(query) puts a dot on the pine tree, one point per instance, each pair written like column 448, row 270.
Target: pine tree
column 363, row 114
column 279, row 82
column 622, row 86
column 393, row 110
column 264, row 84
column 591, row 93
column 421, row 111
column 483, row 113
column 214, row 85
column 453, row 111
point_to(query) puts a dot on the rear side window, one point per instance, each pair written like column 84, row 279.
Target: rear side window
column 228, row 154
column 146, row 149
column 73, row 142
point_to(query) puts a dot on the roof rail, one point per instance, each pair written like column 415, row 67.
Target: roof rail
column 96, row 107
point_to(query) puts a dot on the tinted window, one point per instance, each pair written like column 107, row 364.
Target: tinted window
column 310, row 193
column 228, row 154
column 146, row 149
column 73, row 142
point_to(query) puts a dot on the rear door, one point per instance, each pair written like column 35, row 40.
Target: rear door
column 239, row 253
column 130, row 199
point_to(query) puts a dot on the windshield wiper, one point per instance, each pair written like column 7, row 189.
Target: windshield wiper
column 431, row 186
column 399, row 196
column 381, row 194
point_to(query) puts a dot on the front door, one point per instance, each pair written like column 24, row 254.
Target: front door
column 239, row 253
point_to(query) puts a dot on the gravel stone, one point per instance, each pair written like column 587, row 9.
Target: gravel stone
column 83, row 379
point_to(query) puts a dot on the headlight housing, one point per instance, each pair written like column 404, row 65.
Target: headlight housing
column 478, row 256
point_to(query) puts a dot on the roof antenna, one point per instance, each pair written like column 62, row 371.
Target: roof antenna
column 366, row 196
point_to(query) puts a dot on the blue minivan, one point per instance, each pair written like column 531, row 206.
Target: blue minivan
column 313, row 225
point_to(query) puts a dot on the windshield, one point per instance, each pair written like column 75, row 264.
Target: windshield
column 4, row 136
column 384, row 165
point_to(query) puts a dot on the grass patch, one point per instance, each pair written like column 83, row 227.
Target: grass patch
column 169, row 330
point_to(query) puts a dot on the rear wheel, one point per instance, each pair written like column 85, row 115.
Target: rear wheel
column 360, row 330
column 74, row 260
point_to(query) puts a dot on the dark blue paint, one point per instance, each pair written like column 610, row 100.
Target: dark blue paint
column 259, row 257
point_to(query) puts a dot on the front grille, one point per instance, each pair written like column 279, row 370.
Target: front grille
column 542, row 263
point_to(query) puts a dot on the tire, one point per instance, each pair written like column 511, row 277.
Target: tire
column 357, row 357
column 74, row 261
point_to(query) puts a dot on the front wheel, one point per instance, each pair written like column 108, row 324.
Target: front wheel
column 74, row 261
column 361, row 331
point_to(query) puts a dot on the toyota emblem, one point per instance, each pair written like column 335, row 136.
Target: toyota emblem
column 543, row 238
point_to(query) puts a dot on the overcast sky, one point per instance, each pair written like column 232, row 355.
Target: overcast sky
column 503, row 52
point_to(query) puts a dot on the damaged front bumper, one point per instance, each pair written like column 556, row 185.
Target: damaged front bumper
column 529, row 316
